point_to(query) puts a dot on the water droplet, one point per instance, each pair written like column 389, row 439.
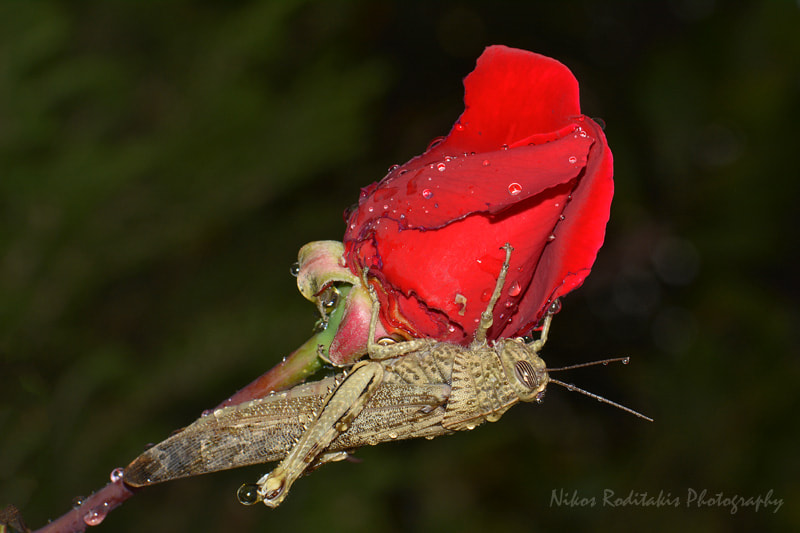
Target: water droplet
column 486, row 163
column 470, row 427
column 605, row 363
column 514, row 188
column 441, row 167
column 370, row 209
column 551, row 238
column 117, row 474
column 509, row 304
column 247, row 494
column 561, row 217
column 294, row 270
column 486, row 295
column 393, row 168
column 572, row 160
column 504, row 147
column 540, row 397
column 555, row 307
column 436, row 142
column 392, row 435
column 626, row 360
column 459, row 126
column 514, row 289
column 427, row 193
column 600, row 122
column 451, row 328
column 77, row 501
column 94, row 517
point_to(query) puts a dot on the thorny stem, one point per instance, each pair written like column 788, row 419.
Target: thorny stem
column 299, row 365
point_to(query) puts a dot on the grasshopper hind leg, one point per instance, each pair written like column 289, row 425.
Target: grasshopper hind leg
column 486, row 317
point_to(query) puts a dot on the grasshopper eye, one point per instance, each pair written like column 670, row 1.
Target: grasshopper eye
column 525, row 373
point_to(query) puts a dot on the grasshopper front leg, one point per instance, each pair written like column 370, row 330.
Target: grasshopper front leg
column 344, row 403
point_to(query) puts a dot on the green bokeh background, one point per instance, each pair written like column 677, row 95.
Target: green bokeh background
column 162, row 162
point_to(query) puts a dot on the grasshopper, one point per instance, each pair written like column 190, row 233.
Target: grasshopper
column 405, row 390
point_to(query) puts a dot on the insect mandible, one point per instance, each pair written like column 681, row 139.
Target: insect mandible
column 411, row 389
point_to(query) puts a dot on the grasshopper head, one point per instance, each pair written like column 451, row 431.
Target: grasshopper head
column 524, row 369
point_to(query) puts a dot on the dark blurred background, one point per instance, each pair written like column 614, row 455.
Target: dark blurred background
column 162, row 162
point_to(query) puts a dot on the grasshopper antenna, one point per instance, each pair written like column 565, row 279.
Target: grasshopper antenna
column 571, row 387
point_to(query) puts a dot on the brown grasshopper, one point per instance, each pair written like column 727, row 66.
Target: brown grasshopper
column 410, row 389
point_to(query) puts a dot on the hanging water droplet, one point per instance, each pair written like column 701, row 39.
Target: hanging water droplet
column 392, row 435
column 294, row 270
column 441, row 167
column 117, row 474
column 626, row 360
column 514, row 289
column 427, row 193
column 393, row 168
column 540, row 397
column 486, row 163
column 572, row 160
column 247, row 494
column 600, row 122
column 555, row 307
column 94, row 517
column 514, row 188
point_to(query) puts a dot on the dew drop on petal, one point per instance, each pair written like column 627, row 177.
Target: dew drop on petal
column 459, row 126
column 600, row 122
column 393, row 168
column 441, row 167
column 486, row 163
column 514, row 188
column 486, row 295
column 94, row 517
column 504, row 147
column 555, row 307
column 427, row 193
column 573, row 160
column 551, row 238
column 514, row 289
column 117, row 474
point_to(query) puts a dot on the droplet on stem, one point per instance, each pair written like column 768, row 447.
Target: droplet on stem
column 117, row 475
column 94, row 517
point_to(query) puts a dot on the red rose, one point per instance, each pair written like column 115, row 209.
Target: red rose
column 521, row 165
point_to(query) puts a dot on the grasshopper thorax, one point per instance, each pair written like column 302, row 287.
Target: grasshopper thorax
column 524, row 369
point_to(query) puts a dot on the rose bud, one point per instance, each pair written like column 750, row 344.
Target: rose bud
column 520, row 166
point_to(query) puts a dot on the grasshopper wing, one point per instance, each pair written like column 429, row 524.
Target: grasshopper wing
column 264, row 430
